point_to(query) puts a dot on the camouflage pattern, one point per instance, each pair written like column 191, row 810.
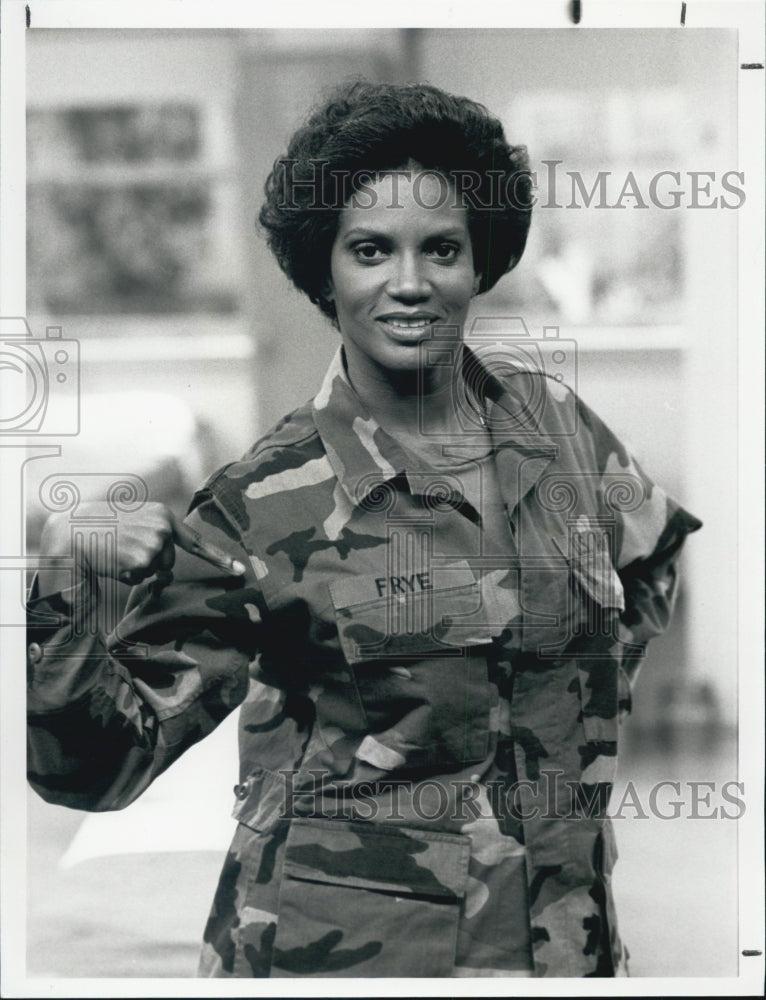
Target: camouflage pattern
column 431, row 659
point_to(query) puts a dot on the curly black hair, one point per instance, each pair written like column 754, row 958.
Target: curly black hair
column 366, row 128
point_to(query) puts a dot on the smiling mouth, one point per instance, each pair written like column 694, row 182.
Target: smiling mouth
column 408, row 324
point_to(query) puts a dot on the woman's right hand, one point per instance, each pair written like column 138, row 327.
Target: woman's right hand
column 146, row 544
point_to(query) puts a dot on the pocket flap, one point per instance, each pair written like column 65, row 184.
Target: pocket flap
column 406, row 615
column 260, row 800
column 399, row 860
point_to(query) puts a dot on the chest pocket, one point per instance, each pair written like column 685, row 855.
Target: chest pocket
column 420, row 674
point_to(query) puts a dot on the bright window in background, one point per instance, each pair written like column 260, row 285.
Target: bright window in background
column 126, row 212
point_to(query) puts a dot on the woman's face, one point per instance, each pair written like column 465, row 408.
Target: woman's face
column 401, row 262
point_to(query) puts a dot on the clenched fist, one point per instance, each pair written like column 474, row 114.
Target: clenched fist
column 146, row 544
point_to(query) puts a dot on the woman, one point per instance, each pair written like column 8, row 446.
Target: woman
column 429, row 589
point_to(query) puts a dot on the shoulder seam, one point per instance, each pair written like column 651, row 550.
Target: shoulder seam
column 217, row 486
column 266, row 444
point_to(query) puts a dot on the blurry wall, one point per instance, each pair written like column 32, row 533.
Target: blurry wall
column 656, row 334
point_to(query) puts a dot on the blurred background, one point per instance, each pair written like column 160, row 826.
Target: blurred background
column 147, row 154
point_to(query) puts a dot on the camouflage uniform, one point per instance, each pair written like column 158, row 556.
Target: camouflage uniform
column 430, row 708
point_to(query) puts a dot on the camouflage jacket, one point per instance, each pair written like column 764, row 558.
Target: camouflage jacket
column 429, row 718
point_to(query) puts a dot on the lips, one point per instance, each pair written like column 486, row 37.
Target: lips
column 407, row 326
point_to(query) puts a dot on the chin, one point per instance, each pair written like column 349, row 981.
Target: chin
column 409, row 360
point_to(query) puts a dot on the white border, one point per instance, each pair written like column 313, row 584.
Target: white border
column 174, row 14
column 349, row 14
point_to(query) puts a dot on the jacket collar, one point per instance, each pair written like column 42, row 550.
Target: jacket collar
column 362, row 454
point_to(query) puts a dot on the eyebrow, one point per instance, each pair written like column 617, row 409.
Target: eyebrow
column 442, row 234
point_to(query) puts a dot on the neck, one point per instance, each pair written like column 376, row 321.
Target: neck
column 409, row 401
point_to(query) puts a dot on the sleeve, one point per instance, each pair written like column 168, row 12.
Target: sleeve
column 650, row 579
column 651, row 528
column 107, row 715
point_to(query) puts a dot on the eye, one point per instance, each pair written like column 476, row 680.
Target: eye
column 444, row 250
column 367, row 252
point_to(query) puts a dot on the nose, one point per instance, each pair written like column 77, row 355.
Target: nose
column 408, row 281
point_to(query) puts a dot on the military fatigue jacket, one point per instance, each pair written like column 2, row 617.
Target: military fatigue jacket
column 429, row 717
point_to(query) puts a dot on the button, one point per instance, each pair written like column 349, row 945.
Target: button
column 35, row 653
column 402, row 672
column 241, row 791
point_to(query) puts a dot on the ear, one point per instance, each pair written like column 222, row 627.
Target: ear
column 477, row 282
column 327, row 291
